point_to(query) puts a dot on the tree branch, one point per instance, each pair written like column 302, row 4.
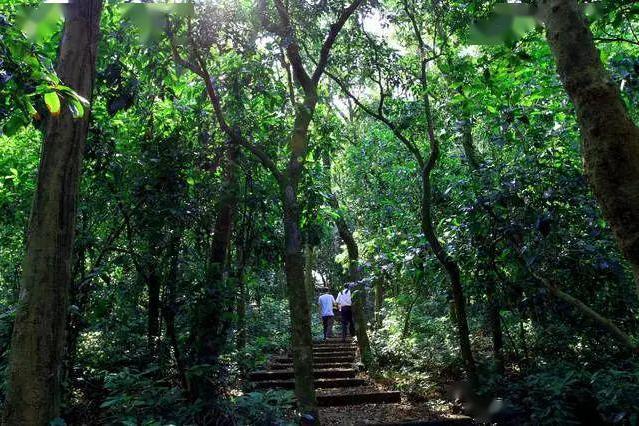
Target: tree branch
column 292, row 48
column 410, row 145
column 177, row 58
column 331, row 37
column 234, row 135
column 616, row 40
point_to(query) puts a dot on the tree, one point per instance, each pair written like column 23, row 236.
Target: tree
column 359, row 295
column 426, row 163
column 609, row 136
column 37, row 345
column 289, row 179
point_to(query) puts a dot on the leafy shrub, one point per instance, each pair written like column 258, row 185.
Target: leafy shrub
column 137, row 398
column 263, row 408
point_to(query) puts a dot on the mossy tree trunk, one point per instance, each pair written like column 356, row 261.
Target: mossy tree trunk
column 213, row 310
column 38, row 342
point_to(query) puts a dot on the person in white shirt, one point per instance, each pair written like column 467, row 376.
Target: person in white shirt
column 344, row 303
column 326, row 302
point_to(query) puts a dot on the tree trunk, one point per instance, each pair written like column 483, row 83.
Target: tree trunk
column 37, row 346
column 211, row 326
column 379, row 300
column 454, row 276
column 492, row 309
column 241, row 313
column 610, row 140
column 170, row 309
column 302, row 343
column 494, row 320
column 359, row 296
column 469, row 147
column 153, row 309
column 309, row 282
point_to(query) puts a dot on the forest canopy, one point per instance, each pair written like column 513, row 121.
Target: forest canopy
column 181, row 181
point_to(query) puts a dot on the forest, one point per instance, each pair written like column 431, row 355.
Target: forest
column 184, row 183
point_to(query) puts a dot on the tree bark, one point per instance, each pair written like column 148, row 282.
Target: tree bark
column 302, row 343
column 494, row 320
column 492, row 308
column 359, row 296
column 37, row 346
column 610, row 140
column 211, row 324
column 169, row 310
column 309, row 263
column 379, row 300
column 449, row 265
column 153, row 283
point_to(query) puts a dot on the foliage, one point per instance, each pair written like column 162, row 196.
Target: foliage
column 156, row 177
column 29, row 85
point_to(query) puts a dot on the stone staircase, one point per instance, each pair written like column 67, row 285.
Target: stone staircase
column 337, row 380
column 345, row 394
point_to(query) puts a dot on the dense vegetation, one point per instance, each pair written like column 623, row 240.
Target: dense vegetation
column 177, row 181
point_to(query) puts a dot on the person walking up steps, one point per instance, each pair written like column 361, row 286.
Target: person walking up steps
column 344, row 302
column 326, row 302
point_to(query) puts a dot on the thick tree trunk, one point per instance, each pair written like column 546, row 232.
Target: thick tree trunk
column 210, row 326
column 37, row 346
column 302, row 343
column 610, row 140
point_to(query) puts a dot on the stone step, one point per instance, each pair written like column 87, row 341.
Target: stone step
column 321, row 355
column 317, row 360
column 321, row 359
column 370, row 397
column 333, row 354
column 289, row 374
column 459, row 421
column 319, row 383
column 334, row 342
column 319, row 366
column 339, row 350
column 332, row 349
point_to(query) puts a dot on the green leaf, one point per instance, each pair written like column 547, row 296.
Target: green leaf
column 14, row 125
column 32, row 111
column 53, row 103
column 76, row 108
